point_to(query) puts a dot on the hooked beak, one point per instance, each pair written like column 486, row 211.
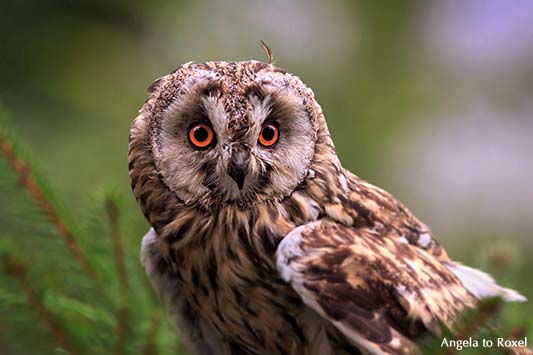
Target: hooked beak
column 238, row 167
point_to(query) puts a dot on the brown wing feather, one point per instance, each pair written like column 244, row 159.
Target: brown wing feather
column 380, row 292
column 384, row 211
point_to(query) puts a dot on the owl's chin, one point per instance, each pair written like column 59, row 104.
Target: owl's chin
column 245, row 199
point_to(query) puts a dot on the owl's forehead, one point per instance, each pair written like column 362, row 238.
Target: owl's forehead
column 239, row 94
column 233, row 75
column 231, row 82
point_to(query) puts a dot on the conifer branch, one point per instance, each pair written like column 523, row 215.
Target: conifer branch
column 517, row 333
column 17, row 269
column 123, row 313
column 123, row 316
column 118, row 249
column 149, row 347
column 26, row 180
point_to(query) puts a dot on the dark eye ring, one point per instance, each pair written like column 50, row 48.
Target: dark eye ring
column 201, row 135
column 269, row 135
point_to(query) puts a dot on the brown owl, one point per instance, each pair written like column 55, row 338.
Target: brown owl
column 262, row 243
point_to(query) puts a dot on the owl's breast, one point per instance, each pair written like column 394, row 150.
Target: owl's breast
column 230, row 277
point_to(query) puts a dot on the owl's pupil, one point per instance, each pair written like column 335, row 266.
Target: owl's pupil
column 200, row 134
column 268, row 133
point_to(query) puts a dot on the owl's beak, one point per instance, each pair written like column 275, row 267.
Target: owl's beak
column 238, row 167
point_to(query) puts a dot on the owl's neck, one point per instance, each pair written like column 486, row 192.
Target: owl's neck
column 195, row 236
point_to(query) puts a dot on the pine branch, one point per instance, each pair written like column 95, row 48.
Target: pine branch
column 517, row 333
column 118, row 249
column 18, row 270
column 27, row 181
column 123, row 317
column 149, row 347
column 123, row 313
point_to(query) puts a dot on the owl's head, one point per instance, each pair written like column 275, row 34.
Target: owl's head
column 223, row 133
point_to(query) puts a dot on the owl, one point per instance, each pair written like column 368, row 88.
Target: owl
column 262, row 243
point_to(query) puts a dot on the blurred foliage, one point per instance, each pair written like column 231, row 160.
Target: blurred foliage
column 87, row 291
column 73, row 74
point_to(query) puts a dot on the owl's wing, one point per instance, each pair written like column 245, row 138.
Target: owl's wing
column 379, row 292
column 196, row 335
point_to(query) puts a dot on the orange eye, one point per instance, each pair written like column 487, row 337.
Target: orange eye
column 269, row 135
column 201, row 135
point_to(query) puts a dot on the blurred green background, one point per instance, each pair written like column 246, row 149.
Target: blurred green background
column 430, row 100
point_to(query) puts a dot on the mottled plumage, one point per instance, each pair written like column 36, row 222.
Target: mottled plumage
column 260, row 249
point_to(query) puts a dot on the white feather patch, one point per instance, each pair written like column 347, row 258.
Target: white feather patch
column 424, row 239
column 288, row 249
column 481, row 284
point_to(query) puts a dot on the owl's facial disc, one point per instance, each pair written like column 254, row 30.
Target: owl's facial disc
column 215, row 147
